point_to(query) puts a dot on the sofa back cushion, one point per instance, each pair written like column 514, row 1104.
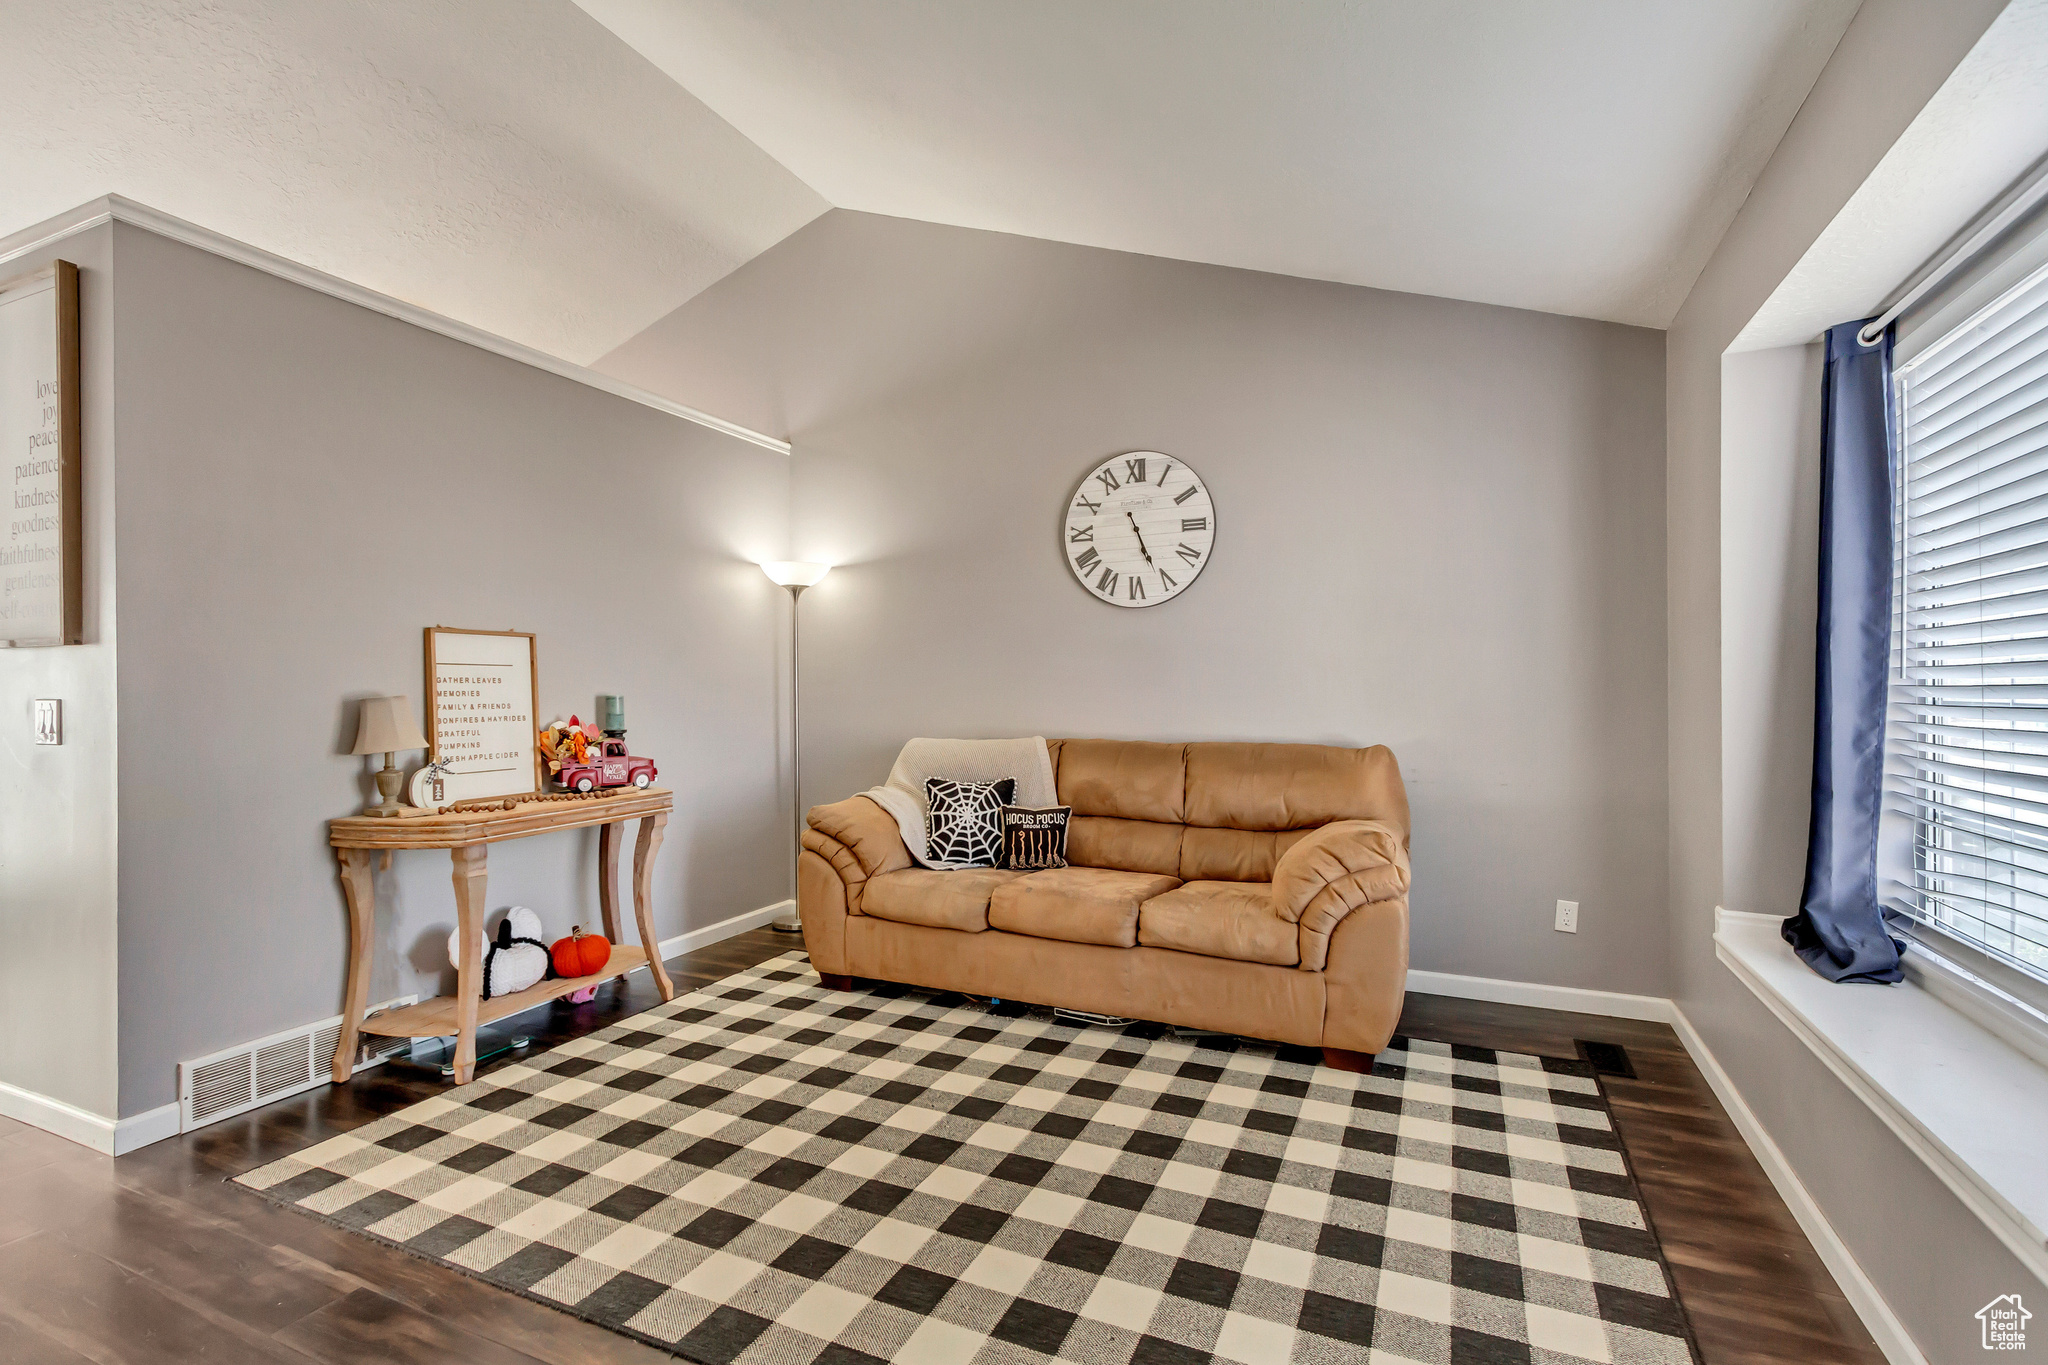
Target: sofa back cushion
column 1126, row 845
column 1124, row 779
column 1291, row 786
column 1216, row 811
column 1234, row 855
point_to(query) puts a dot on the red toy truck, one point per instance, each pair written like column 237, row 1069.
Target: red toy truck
column 613, row 768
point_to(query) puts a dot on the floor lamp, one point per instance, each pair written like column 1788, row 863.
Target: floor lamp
column 794, row 576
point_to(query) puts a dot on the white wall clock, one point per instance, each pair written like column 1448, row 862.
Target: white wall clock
column 1139, row 529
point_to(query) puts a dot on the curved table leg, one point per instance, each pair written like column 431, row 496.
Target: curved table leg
column 469, row 921
column 651, row 827
column 609, row 837
column 358, row 884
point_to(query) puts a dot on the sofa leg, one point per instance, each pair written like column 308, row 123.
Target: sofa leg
column 1344, row 1059
column 835, row 982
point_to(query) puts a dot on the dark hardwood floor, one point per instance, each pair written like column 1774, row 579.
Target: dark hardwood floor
column 1751, row 1283
column 153, row 1258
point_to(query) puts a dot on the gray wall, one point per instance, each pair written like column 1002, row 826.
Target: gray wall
column 1932, row 1261
column 306, row 486
column 1770, row 592
column 58, row 833
column 1439, row 527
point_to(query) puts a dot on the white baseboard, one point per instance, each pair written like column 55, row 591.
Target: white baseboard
column 110, row 1136
column 152, row 1125
column 727, row 928
column 1613, row 1004
column 1883, row 1324
column 55, row 1116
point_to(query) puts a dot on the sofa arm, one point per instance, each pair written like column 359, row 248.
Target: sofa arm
column 1366, row 980
column 821, row 905
column 1329, row 874
column 859, row 839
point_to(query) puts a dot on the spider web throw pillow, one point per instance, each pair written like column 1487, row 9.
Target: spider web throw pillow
column 965, row 828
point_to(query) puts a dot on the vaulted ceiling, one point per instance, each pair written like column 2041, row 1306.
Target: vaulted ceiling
column 1574, row 156
column 565, row 175
column 508, row 163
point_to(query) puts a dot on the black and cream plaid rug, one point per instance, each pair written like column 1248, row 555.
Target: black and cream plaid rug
column 766, row 1171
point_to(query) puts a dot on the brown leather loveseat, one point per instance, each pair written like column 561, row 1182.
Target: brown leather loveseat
column 1256, row 889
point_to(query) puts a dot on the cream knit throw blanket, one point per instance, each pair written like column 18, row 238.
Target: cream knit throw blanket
column 961, row 760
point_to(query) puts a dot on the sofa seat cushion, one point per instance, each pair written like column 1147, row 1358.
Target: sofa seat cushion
column 1076, row 904
column 1235, row 920
column 940, row 900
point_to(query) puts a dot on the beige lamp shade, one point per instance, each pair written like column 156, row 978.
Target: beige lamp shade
column 384, row 725
column 792, row 573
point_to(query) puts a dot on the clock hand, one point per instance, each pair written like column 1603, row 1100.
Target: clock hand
column 1141, row 539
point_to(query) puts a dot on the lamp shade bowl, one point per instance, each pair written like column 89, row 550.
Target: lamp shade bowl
column 794, row 573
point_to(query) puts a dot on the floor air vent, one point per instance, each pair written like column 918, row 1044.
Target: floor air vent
column 1609, row 1059
column 232, row 1082
column 327, row 1035
column 212, row 1089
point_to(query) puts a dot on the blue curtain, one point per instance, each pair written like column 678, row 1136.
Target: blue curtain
column 1840, row 930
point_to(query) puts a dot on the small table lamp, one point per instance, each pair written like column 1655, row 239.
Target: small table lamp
column 385, row 725
column 795, row 576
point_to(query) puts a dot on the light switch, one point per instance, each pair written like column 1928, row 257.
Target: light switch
column 49, row 720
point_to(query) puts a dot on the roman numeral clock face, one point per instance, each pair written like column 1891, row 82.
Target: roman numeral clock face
column 1139, row 529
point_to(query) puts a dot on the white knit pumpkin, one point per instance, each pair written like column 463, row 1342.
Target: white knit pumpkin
column 512, row 968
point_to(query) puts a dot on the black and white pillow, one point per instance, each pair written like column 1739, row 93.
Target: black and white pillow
column 964, row 828
column 1035, row 839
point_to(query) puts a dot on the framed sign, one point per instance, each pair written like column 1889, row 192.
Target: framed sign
column 42, row 565
column 481, row 686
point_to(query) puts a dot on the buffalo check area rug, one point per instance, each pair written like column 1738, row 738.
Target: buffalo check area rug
column 766, row 1172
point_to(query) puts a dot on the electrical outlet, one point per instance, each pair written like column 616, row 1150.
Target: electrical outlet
column 1567, row 917
column 49, row 720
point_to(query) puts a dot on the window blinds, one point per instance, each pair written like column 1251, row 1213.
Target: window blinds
column 1967, row 742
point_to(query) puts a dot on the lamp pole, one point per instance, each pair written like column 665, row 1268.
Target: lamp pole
column 791, row 923
column 795, row 576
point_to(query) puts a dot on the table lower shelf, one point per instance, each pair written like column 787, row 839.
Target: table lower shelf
column 436, row 1018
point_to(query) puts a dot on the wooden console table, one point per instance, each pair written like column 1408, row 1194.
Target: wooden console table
column 466, row 835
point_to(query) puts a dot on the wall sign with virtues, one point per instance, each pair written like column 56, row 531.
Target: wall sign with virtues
column 1139, row 529
column 42, row 600
column 481, row 686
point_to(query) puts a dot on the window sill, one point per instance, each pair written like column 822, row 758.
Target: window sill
column 1967, row 1102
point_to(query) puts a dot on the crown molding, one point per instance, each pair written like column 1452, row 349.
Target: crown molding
column 113, row 208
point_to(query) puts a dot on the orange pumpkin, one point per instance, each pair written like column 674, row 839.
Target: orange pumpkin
column 580, row 954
